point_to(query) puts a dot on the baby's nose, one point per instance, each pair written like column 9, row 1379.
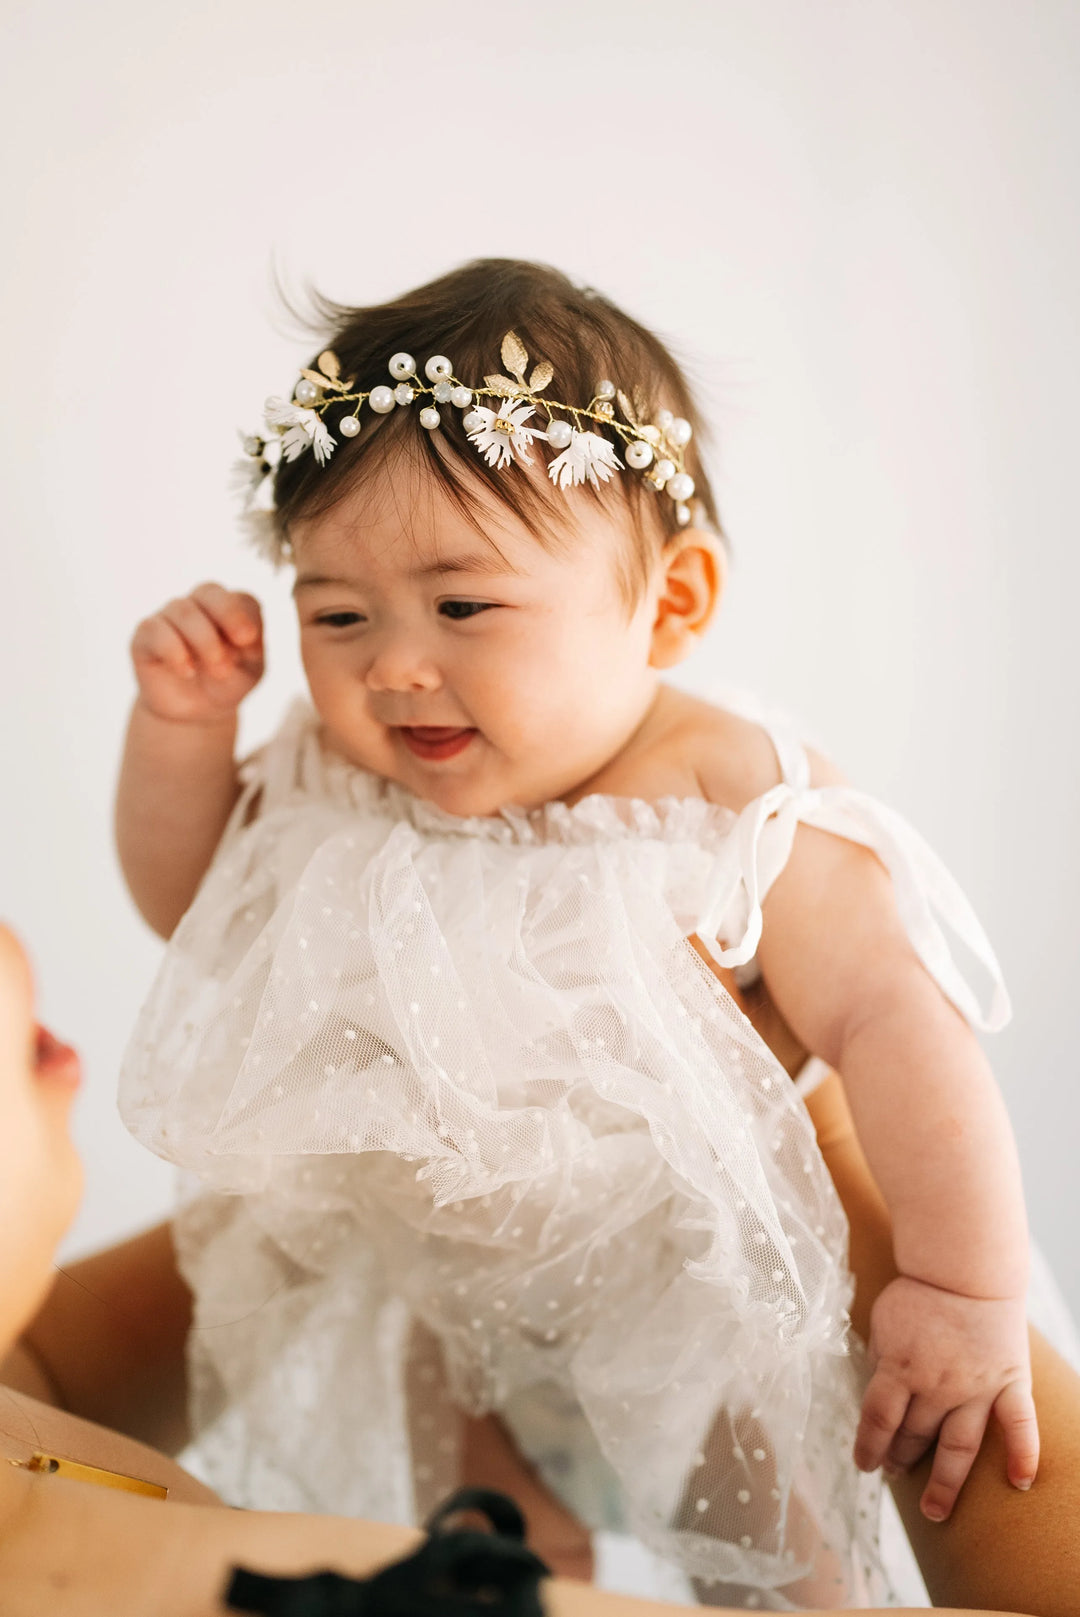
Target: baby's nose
column 401, row 666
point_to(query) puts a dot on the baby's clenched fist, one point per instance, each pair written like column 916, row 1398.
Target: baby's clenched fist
column 944, row 1364
column 198, row 657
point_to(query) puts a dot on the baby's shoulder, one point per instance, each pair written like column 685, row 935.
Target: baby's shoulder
column 725, row 757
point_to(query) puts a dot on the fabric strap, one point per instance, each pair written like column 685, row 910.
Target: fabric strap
column 926, row 894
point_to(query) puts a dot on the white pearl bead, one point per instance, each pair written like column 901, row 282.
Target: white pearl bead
column 682, row 515
column 664, row 420
column 559, row 434
column 438, row 368
column 430, row 417
column 680, row 432
column 664, row 469
column 403, row 393
column 381, row 400
column 638, row 455
column 473, row 421
column 681, row 486
column 462, row 397
column 605, row 389
column 305, row 392
column 348, row 426
column 444, row 392
column 402, row 366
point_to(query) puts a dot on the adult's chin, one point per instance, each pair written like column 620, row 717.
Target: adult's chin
column 26, row 1277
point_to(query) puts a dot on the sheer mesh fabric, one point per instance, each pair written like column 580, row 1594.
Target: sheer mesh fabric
column 468, row 1125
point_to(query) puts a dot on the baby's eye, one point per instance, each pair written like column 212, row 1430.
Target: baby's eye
column 470, row 609
column 339, row 620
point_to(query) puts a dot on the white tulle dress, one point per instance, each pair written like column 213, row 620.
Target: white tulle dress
column 468, row 1124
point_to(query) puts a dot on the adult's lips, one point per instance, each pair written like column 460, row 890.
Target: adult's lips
column 55, row 1062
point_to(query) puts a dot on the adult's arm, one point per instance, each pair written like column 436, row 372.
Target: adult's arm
column 108, row 1343
column 77, row 1551
column 1000, row 1548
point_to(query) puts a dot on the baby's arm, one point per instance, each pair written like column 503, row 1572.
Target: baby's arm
column 948, row 1338
column 195, row 661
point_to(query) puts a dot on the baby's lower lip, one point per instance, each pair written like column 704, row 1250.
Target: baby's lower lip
column 435, row 741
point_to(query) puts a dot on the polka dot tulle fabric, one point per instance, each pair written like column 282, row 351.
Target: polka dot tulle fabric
column 468, row 1124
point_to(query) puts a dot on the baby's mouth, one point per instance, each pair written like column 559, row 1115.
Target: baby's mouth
column 435, row 741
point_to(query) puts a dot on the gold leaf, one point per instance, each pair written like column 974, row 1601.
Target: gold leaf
column 514, row 354
column 541, row 376
column 503, row 384
column 627, row 408
column 327, row 383
column 641, row 404
column 329, row 364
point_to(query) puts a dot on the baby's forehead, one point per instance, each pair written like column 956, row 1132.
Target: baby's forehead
column 415, row 539
column 404, row 517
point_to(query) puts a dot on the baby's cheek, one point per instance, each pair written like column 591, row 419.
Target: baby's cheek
column 331, row 681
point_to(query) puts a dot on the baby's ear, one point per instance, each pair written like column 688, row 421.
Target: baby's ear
column 692, row 574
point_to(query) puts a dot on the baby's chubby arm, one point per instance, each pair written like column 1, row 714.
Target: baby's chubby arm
column 195, row 661
column 948, row 1338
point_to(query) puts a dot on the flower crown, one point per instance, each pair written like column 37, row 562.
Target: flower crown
column 502, row 434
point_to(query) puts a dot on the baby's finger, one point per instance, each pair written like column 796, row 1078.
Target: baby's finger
column 157, row 641
column 884, row 1407
column 1014, row 1410
column 237, row 616
column 200, row 633
column 916, row 1432
column 958, row 1443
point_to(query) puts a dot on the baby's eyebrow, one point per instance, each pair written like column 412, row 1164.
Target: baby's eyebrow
column 478, row 563
column 486, row 562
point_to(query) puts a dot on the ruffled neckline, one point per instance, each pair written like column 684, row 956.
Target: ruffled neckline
column 600, row 816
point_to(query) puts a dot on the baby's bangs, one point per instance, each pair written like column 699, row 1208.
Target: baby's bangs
column 394, row 448
column 396, row 445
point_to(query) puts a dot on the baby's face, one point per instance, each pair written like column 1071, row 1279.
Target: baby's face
column 409, row 619
column 40, row 1176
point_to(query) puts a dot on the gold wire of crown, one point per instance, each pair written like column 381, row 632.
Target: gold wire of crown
column 503, row 435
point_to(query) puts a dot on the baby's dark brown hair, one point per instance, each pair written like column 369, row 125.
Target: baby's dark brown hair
column 465, row 315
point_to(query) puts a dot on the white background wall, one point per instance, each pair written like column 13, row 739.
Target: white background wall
column 857, row 221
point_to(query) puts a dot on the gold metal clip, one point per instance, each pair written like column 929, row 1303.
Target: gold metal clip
column 54, row 1465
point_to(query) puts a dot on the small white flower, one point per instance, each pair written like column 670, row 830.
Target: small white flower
column 296, row 439
column 246, row 477
column 300, row 429
column 283, row 413
column 504, row 437
column 322, row 443
column 588, row 455
column 263, row 498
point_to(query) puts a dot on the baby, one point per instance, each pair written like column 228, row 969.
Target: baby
column 451, row 1025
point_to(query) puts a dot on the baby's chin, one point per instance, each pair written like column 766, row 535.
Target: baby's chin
column 467, row 794
column 456, row 785
column 478, row 782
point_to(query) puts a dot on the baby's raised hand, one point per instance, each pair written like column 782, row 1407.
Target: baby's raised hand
column 943, row 1364
column 198, row 657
